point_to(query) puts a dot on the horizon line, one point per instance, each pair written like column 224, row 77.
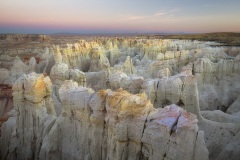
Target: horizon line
column 111, row 33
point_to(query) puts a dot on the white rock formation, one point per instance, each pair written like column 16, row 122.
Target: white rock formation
column 178, row 89
column 130, row 83
column 102, row 125
column 220, row 116
column 98, row 60
column 82, row 119
column 17, row 70
column 22, row 135
column 163, row 73
column 235, row 107
column 59, row 71
column 220, row 138
column 217, row 82
column 127, row 67
column 98, row 80
column 78, row 76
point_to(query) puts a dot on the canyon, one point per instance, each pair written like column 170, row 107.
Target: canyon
column 124, row 97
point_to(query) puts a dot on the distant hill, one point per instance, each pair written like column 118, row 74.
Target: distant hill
column 227, row 38
column 24, row 37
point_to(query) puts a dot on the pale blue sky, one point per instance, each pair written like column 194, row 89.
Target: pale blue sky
column 113, row 16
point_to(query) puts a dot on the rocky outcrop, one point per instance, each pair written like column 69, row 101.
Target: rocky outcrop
column 163, row 73
column 8, row 77
column 96, row 125
column 17, row 70
column 98, row 60
column 34, row 107
column 46, row 62
column 219, row 116
column 61, row 72
column 79, row 116
column 217, row 83
column 235, row 106
column 221, row 137
column 179, row 89
column 127, row 67
column 78, row 76
column 130, row 83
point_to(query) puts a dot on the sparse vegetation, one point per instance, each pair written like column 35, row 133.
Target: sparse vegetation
column 226, row 38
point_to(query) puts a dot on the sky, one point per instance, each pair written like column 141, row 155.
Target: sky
column 119, row 16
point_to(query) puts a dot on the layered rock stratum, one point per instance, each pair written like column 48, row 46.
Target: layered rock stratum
column 118, row 98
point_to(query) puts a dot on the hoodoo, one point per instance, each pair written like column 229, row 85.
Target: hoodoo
column 119, row 98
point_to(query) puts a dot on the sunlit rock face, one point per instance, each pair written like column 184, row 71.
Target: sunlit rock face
column 61, row 72
column 98, row 60
column 118, row 98
column 126, row 67
column 96, row 125
column 58, row 72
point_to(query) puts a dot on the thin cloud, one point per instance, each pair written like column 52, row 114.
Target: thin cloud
column 131, row 17
column 160, row 13
column 166, row 15
column 136, row 17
